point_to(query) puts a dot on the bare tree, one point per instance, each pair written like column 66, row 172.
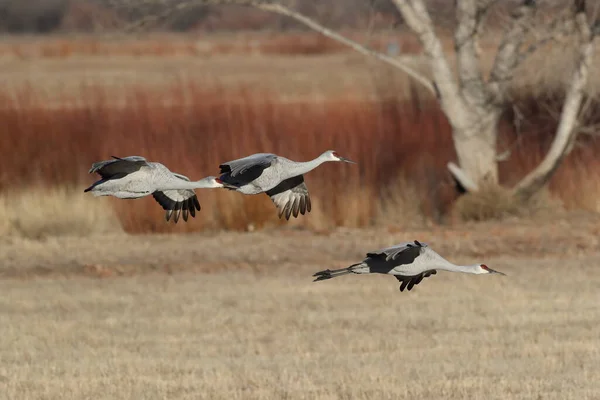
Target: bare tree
column 472, row 102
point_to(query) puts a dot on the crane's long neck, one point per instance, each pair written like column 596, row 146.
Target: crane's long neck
column 448, row 266
column 300, row 168
column 180, row 184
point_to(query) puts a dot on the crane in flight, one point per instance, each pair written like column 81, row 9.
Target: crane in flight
column 280, row 178
column 134, row 177
column 409, row 262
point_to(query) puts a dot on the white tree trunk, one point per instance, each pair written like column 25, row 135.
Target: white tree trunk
column 475, row 144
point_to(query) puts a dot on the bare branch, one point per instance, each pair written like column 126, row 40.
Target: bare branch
column 567, row 128
column 508, row 53
column 157, row 18
column 283, row 10
column 419, row 21
column 559, row 27
column 591, row 130
column 278, row 8
column 486, row 4
column 469, row 16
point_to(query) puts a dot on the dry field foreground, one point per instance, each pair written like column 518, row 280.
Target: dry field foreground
column 236, row 316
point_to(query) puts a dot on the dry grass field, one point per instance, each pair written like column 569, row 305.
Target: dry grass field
column 236, row 316
column 102, row 299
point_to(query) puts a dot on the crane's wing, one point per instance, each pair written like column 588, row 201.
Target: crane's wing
column 119, row 167
column 403, row 253
column 176, row 202
column 291, row 197
column 244, row 170
column 409, row 281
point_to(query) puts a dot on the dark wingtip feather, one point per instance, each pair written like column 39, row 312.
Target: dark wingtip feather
column 177, row 212
column 296, row 207
column 302, row 205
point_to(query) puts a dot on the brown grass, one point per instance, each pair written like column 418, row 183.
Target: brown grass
column 164, row 45
column 497, row 203
column 253, row 325
column 292, row 43
column 216, row 126
column 239, row 335
column 193, row 129
column 192, row 123
column 38, row 212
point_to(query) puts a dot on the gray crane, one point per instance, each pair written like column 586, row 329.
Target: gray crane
column 409, row 262
column 280, row 178
column 134, row 177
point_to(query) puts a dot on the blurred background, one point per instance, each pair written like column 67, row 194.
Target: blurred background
column 101, row 299
column 213, row 83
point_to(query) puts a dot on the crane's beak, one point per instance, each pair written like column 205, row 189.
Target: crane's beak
column 346, row 160
column 492, row 271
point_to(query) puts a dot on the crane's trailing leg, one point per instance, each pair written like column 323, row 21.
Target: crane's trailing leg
column 359, row 268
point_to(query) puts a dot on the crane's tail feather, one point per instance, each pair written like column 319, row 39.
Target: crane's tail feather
column 332, row 273
column 91, row 188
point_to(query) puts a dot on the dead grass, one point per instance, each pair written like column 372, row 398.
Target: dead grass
column 239, row 335
column 398, row 134
column 496, row 203
column 217, row 125
column 193, row 129
column 169, row 45
column 38, row 212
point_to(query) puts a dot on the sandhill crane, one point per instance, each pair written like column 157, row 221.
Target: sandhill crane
column 280, row 178
column 134, row 177
column 409, row 262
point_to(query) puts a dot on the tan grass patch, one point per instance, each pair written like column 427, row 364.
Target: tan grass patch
column 497, row 202
column 400, row 205
column 277, row 335
column 37, row 212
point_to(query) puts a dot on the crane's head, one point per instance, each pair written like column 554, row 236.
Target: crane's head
column 331, row 155
column 484, row 269
column 215, row 182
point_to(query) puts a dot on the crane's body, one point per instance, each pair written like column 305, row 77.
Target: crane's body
column 280, row 178
column 409, row 262
column 134, row 177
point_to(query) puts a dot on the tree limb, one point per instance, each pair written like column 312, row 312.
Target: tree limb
column 419, row 21
column 468, row 16
column 153, row 19
column 278, row 8
column 283, row 10
column 558, row 27
column 508, row 52
column 567, row 128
